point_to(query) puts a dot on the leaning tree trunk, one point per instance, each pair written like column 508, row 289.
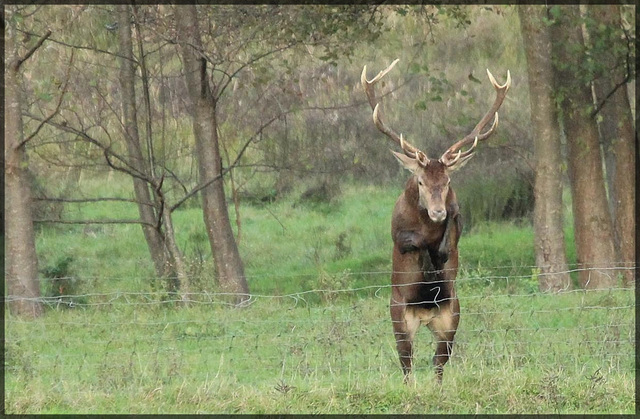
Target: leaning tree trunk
column 21, row 261
column 617, row 132
column 228, row 263
column 155, row 241
column 547, row 219
column 592, row 221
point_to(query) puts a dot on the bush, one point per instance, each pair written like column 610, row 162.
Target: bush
column 60, row 283
column 503, row 197
column 331, row 285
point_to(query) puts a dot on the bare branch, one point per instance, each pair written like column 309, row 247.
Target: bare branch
column 128, row 169
column 90, row 48
column 627, row 77
column 604, row 101
column 32, row 50
column 174, row 177
column 227, row 169
column 220, row 89
column 88, row 200
column 124, row 221
column 57, row 109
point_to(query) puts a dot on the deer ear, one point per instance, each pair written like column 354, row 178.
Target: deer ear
column 407, row 162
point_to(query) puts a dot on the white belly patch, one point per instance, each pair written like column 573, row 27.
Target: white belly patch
column 438, row 320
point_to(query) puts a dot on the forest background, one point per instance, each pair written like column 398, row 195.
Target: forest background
column 133, row 122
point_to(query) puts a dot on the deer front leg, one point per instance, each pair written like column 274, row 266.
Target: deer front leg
column 447, row 255
column 409, row 241
column 450, row 237
column 445, row 244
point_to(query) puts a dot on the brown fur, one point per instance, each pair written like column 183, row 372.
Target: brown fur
column 426, row 227
column 425, row 264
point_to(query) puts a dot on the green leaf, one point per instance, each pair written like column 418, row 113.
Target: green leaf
column 17, row 17
column 555, row 11
column 45, row 96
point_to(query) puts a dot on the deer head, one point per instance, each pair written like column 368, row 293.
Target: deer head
column 432, row 176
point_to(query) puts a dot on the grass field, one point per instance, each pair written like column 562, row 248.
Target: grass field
column 128, row 353
column 317, row 337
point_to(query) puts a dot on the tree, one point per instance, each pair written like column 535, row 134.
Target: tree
column 611, row 45
column 23, row 284
column 592, row 221
column 146, row 207
column 547, row 218
column 229, row 266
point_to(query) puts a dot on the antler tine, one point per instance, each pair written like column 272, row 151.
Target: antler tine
column 475, row 135
column 368, row 84
column 460, row 156
column 380, row 74
column 408, row 149
column 495, row 84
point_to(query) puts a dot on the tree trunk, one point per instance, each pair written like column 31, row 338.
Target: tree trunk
column 229, row 267
column 547, row 219
column 165, row 253
column 178, row 270
column 617, row 132
column 21, row 269
column 592, row 221
column 155, row 241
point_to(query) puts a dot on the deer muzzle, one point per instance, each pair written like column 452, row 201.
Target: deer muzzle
column 437, row 215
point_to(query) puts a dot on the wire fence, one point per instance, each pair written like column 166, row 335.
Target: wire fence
column 489, row 272
column 317, row 334
column 213, row 297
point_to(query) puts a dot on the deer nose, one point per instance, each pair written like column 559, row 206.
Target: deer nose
column 438, row 215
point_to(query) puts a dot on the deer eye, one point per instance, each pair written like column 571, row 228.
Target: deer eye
column 420, row 182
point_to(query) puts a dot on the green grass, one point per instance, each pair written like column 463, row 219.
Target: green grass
column 286, row 246
column 298, row 240
column 571, row 353
column 309, row 342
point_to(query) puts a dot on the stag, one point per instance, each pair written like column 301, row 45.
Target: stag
column 425, row 228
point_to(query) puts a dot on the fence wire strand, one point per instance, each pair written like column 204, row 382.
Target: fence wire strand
column 318, row 332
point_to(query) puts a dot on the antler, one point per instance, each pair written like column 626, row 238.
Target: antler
column 450, row 157
column 408, row 149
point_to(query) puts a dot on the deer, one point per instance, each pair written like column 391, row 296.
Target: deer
column 425, row 229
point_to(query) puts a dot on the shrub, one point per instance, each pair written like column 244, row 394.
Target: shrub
column 331, row 284
column 61, row 284
column 501, row 197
